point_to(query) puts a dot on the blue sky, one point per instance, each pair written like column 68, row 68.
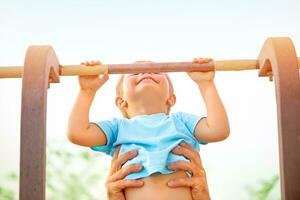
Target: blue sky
column 126, row 31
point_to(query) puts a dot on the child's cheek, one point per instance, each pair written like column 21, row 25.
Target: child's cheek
column 165, row 84
column 129, row 86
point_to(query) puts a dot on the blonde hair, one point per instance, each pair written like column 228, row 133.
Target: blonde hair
column 119, row 92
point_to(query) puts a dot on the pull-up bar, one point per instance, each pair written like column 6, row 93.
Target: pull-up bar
column 277, row 58
column 73, row 70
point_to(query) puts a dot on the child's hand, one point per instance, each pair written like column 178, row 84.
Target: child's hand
column 92, row 82
column 198, row 77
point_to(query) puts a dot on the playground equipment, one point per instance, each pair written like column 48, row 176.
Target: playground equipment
column 277, row 58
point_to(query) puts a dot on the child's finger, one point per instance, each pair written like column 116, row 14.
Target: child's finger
column 95, row 62
column 198, row 60
column 87, row 63
column 104, row 78
column 208, row 59
column 143, row 61
column 195, row 60
column 202, row 60
column 98, row 62
column 91, row 63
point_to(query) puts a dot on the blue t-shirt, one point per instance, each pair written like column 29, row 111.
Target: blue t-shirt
column 154, row 136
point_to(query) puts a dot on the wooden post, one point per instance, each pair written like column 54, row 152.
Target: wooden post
column 278, row 57
column 40, row 65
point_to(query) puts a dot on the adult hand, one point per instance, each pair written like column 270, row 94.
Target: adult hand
column 115, row 183
column 197, row 182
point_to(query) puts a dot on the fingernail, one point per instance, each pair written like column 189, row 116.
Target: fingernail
column 138, row 166
column 174, row 150
column 170, row 166
column 133, row 152
column 177, row 148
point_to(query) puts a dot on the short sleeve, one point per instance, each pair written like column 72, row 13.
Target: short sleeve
column 190, row 121
column 110, row 129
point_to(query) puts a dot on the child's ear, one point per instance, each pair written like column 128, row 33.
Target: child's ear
column 120, row 103
column 171, row 100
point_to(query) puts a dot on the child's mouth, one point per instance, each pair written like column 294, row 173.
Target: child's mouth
column 147, row 78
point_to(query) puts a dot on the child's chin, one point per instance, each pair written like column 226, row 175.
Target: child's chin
column 147, row 85
column 148, row 90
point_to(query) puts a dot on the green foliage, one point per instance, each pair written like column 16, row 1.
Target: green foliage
column 6, row 194
column 69, row 175
column 264, row 189
column 72, row 175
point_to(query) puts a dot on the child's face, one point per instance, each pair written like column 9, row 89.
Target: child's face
column 145, row 84
column 137, row 86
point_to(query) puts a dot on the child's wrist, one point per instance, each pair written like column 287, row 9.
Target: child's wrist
column 88, row 91
column 204, row 82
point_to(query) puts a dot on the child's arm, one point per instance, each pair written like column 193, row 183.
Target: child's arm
column 215, row 127
column 80, row 131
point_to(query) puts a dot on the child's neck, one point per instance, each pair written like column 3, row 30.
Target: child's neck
column 146, row 109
